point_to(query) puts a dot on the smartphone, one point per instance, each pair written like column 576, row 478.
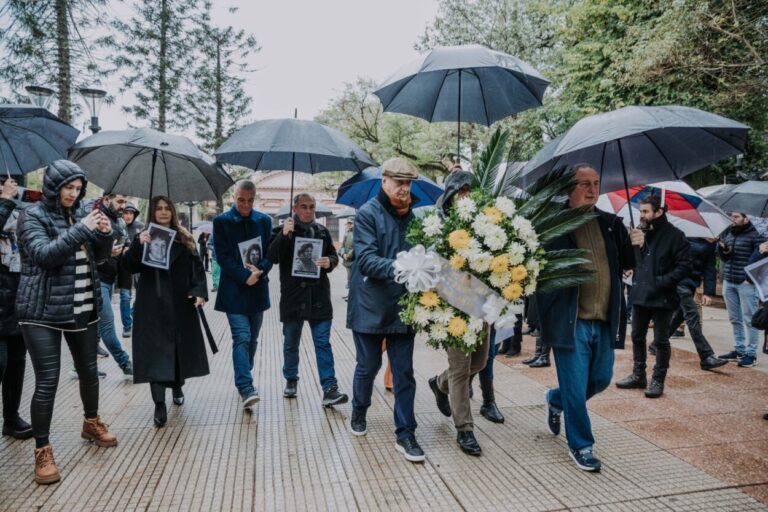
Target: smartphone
column 97, row 204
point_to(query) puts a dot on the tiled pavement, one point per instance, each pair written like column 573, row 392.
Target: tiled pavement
column 672, row 454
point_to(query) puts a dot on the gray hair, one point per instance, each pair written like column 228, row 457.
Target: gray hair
column 303, row 195
column 245, row 186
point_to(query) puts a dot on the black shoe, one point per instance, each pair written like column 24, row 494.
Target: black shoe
column 585, row 459
column 127, row 368
column 731, row 356
column 358, row 423
column 178, row 396
column 652, row 349
column 635, row 380
column 553, row 417
column 655, row 389
column 127, row 332
column 332, row 397
column 468, row 443
column 290, row 388
column 514, row 349
column 765, row 416
column 100, row 352
column 489, row 410
column 440, row 398
column 712, row 362
column 541, row 362
column 17, row 428
column 505, row 346
column 534, row 357
column 411, row 449
column 161, row 415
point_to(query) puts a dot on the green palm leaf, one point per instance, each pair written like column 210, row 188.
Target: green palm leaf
column 564, row 222
column 487, row 165
column 563, row 281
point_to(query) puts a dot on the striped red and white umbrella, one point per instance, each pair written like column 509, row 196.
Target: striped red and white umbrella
column 687, row 210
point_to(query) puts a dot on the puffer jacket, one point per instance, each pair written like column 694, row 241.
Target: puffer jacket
column 735, row 248
column 9, row 281
column 47, row 245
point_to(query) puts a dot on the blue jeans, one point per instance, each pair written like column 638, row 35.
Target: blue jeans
column 321, row 336
column 107, row 327
column 126, row 313
column 400, row 353
column 741, row 302
column 245, row 334
column 582, row 372
column 487, row 372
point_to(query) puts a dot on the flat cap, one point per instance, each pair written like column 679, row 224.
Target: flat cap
column 400, row 169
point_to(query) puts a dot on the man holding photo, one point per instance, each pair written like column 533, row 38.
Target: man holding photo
column 306, row 297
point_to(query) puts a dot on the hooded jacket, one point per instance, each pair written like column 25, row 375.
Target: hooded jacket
column 453, row 183
column 47, row 246
column 737, row 245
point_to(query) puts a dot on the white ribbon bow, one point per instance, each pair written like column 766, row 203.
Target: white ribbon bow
column 418, row 269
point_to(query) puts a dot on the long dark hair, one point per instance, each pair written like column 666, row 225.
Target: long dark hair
column 182, row 235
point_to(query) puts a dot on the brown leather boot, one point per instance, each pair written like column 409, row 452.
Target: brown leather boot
column 46, row 471
column 96, row 430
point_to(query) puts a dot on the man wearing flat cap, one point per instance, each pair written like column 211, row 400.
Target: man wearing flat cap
column 374, row 312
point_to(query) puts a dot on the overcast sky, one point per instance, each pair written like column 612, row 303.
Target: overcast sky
column 310, row 48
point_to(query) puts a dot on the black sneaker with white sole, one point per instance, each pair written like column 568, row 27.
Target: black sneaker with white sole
column 357, row 423
column 332, row 397
column 250, row 399
column 410, row 448
column 585, row 459
column 553, row 417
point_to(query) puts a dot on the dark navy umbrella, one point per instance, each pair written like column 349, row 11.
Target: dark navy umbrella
column 750, row 197
column 31, row 137
column 357, row 190
column 639, row 145
column 292, row 144
column 469, row 83
column 146, row 163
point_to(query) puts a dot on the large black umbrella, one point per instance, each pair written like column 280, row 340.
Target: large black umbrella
column 469, row 83
column 295, row 145
column 750, row 197
column 639, row 145
column 146, row 163
column 31, row 137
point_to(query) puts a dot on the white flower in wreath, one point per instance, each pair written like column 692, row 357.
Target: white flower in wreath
column 516, row 253
column 496, row 239
column 421, row 316
column 433, row 226
column 532, row 242
column 469, row 338
column 466, row 208
column 475, row 325
column 482, row 225
column 438, row 332
column 506, row 206
column 522, row 225
column 530, row 288
column 500, row 280
column 533, row 267
column 471, row 250
column 481, row 262
column 443, row 316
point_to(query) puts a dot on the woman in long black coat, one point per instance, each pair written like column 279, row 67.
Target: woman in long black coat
column 168, row 344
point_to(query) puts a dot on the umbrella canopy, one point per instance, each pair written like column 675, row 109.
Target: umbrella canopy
column 711, row 189
column 358, row 189
column 146, row 162
column 750, row 197
column 321, row 210
column 639, row 145
column 687, row 210
column 203, row 226
column 31, row 137
column 346, row 213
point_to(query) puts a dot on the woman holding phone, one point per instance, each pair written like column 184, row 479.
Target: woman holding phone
column 59, row 247
column 168, row 344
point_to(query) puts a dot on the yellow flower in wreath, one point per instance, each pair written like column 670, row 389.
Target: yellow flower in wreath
column 458, row 262
column 494, row 214
column 458, row 239
column 499, row 264
column 457, row 326
column 512, row 292
column 519, row 273
column 429, row 299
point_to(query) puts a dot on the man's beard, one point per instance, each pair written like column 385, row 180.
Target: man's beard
column 400, row 203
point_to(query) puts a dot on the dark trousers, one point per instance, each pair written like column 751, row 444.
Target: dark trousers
column 641, row 318
column 690, row 313
column 13, row 359
column 158, row 389
column 44, row 346
column 400, row 354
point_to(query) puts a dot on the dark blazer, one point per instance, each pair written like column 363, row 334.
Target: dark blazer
column 558, row 310
column 229, row 229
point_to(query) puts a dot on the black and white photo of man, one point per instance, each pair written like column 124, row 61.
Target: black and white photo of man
column 306, row 252
column 158, row 251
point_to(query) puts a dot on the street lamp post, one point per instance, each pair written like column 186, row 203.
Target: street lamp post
column 190, row 205
column 40, row 96
column 93, row 99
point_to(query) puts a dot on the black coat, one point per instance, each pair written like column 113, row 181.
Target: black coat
column 662, row 263
column 166, row 328
column 48, row 244
column 703, row 268
column 9, row 281
column 303, row 298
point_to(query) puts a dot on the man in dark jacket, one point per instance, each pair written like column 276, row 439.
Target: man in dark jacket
column 663, row 261
column 581, row 322
column 374, row 311
column 735, row 248
column 306, row 298
column 13, row 353
column 243, row 292
column 133, row 226
column 702, row 252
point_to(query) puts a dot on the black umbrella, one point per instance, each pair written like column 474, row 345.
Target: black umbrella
column 750, row 197
column 639, row 145
column 146, row 162
column 469, row 83
column 31, row 137
column 292, row 144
